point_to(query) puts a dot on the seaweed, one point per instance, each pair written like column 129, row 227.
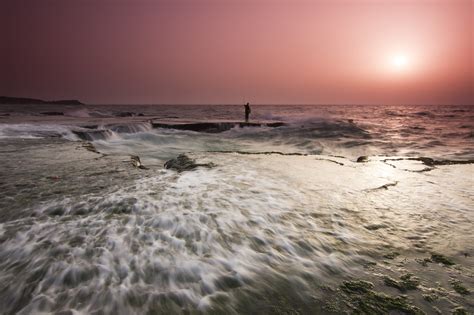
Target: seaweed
column 391, row 255
column 366, row 301
column 439, row 258
column 431, row 297
column 357, row 286
column 459, row 288
column 459, row 311
column 407, row 282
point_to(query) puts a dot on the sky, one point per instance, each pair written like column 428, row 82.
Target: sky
column 234, row 51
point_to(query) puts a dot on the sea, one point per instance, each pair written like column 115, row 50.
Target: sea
column 306, row 209
column 349, row 130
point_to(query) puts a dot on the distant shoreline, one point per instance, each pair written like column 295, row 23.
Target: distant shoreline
column 25, row 100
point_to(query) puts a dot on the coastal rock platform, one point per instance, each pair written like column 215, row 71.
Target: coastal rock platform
column 214, row 126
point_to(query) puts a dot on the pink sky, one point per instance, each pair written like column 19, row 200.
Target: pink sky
column 263, row 51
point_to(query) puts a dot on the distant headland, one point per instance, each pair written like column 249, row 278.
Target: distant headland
column 24, row 100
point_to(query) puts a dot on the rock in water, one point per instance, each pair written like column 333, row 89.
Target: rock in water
column 137, row 163
column 52, row 113
column 90, row 147
column 362, row 159
column 183, row 163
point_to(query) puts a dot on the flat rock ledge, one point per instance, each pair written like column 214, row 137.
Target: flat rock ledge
column 215, row 127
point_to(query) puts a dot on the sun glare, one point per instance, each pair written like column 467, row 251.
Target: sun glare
column 400, row 62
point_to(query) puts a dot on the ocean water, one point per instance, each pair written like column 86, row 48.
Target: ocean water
column 87, row 233
column 352, row 130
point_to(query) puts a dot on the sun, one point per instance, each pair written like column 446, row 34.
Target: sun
column 400, row 62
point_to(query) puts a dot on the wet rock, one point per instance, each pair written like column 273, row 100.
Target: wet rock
column 459, row 288
column 365, row 301
column 91, row 135
column 125, row 114
column 52, row 113
column 460, row 311
column 391, row 255
column 384, row 186
column 56, row 211
column 214, row 127
column 439, row 258
column 90, row 147
column 137, row 163
column 430, row 297
column 407, row 282
column 183, row 163
column 374, row 227
column 357, row 286
column 363, row 159
column 424, row 262
column 227, row 282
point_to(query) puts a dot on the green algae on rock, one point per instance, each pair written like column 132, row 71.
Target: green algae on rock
column 407, row 282
column 459, row 311
column 391, row 255
column 356, row 286
column 459, row 288
column 364, row 300
column 430, row 297
column 439, row 258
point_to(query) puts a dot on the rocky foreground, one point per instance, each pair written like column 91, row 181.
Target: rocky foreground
column 273, row 233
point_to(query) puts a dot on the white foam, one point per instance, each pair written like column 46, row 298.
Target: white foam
column 32, row 131
column 195, row 237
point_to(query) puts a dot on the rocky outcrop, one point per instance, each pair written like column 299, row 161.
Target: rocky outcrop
column 183, row 163
column 214, row 127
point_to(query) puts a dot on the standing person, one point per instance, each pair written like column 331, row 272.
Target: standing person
column 247, row 112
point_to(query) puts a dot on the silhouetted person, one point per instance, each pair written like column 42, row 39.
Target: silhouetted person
column 247, row 112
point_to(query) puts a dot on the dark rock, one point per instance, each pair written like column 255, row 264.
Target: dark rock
column 407, row 282
column 90, row 147
column 227, row 282
column 384, row 186
column 430, row 297
column 439, row 258
column 93, row 134
column 126, row 114
column 459, row 311
column 183, row 163
column 90, row 126
column 391, row 255
column 52, row 113
column 459, row 288
column 137, row 163
column 357, row 286
column 362, row 159
column 365, row 301
column 265, row 153
column 213, row 127
column 55, row 211
column 374, row 227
